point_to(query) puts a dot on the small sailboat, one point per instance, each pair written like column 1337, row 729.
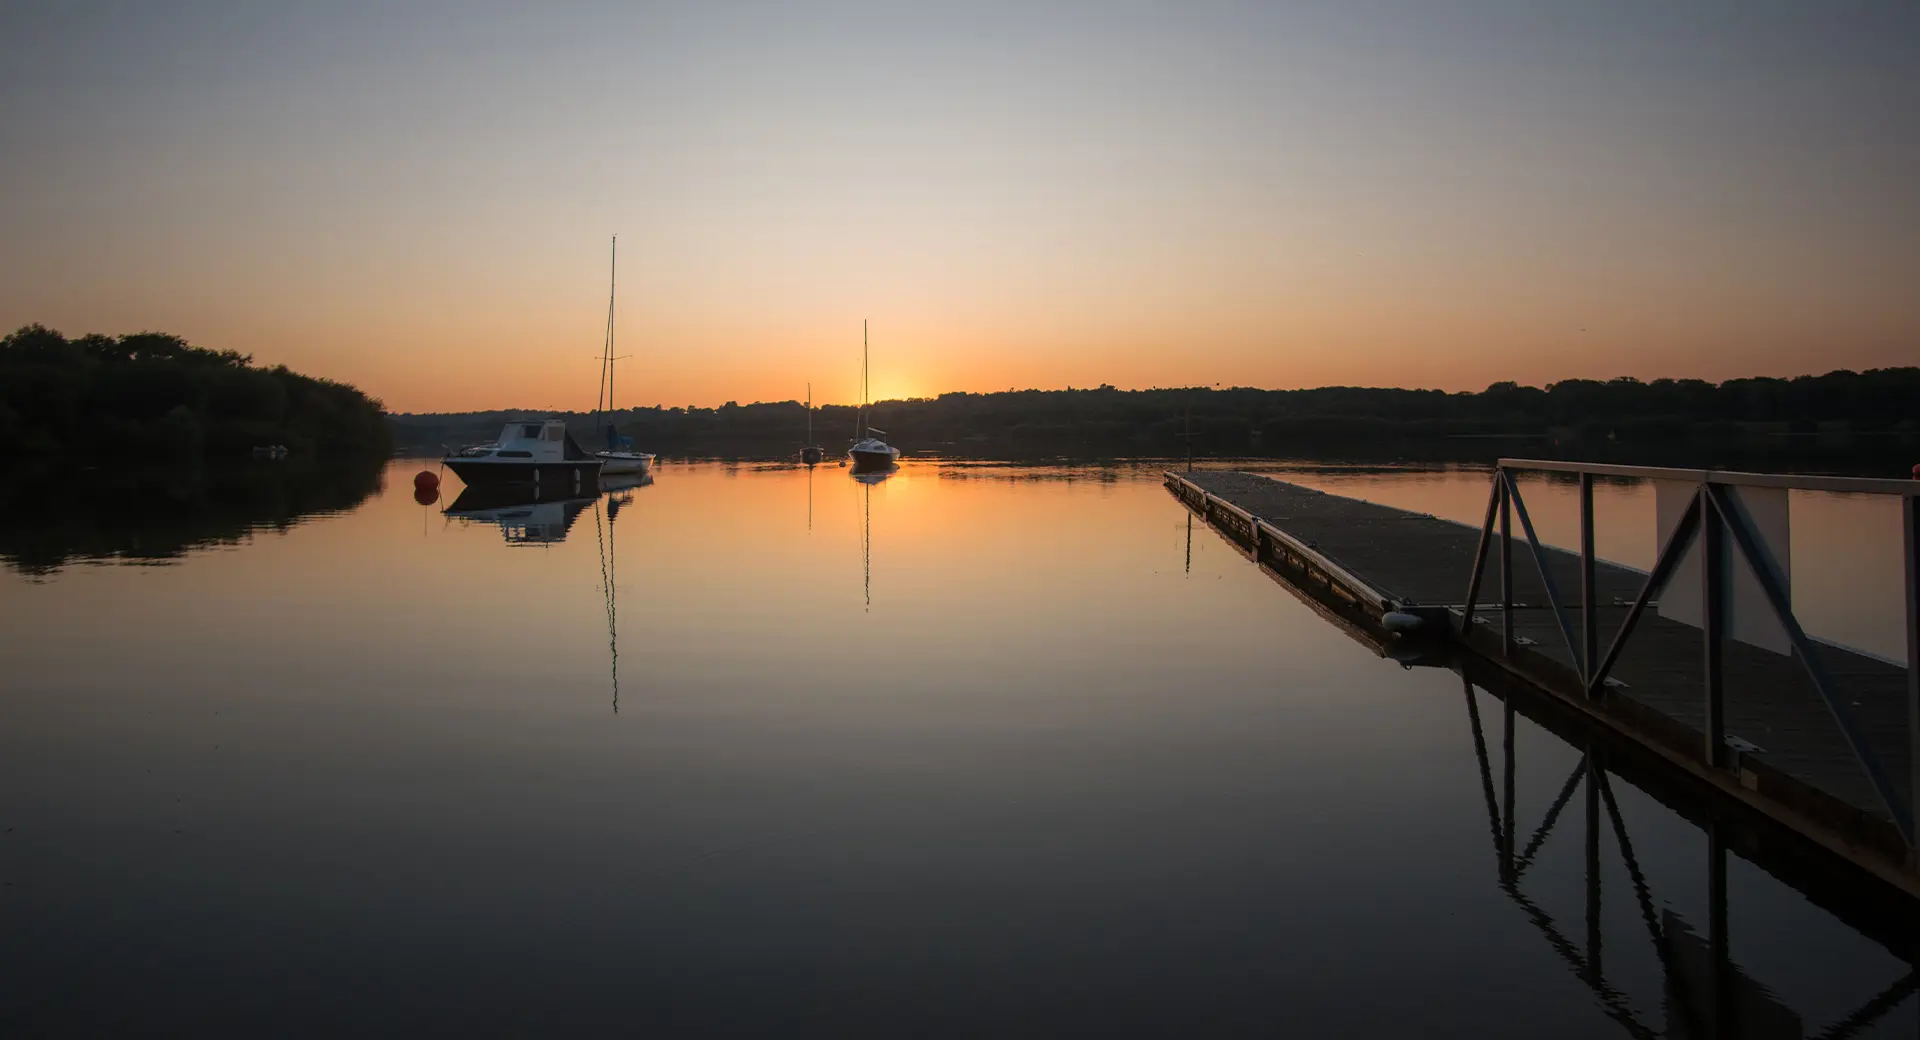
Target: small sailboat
column 869, row 453
column 618, row 456
column 812, row 453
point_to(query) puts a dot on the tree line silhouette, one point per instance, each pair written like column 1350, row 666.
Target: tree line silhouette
column 1624, row 417
column 150, row 395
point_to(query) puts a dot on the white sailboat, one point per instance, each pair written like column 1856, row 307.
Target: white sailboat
column 812, row 453
column 869, row 453
column 618, row 457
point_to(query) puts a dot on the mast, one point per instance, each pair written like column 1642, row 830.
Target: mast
column 809, row 414
column 613, row 261
column 866, row 406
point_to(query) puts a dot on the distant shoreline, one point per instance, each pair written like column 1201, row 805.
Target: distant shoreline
column 1854, row 422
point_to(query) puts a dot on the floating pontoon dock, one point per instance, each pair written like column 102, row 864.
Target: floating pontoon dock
column 1819, row 738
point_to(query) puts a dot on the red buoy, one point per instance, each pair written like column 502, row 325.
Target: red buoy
column 426, row 496
column 426, row 480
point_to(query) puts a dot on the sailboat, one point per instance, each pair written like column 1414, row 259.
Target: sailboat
column 619, row 456
column 869, row 453
column 812, row 453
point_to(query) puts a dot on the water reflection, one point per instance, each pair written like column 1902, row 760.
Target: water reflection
column 1073, row 787
column 1703, row 990
column 604, row 533
column 869, row 480
column 161, row 515
column 522, row 520
column 525, row 518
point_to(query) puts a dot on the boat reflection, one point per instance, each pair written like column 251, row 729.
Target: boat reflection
column 521, row 522
column 525, row 519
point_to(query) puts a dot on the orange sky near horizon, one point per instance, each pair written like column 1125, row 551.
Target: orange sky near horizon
column 1014, row 195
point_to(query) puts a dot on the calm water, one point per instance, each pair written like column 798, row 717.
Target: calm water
column 973, row 750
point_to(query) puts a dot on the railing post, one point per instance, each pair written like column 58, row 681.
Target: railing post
column 1506, row 562
column 1480, row 555
column 1589, row 622
column 1910, row 530
column 1713, row 607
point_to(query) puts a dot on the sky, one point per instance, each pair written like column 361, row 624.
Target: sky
column 418, row 198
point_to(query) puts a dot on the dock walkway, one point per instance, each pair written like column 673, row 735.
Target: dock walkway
column 1789, row 750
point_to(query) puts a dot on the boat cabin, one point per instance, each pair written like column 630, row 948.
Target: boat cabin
column 531, row 441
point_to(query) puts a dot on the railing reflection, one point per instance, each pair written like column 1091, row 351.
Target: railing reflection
column 1704, row 992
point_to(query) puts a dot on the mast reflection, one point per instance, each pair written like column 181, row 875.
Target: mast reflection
column 619, row 494
column 867, row 481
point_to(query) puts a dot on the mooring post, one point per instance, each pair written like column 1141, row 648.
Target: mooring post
column 1713, row 608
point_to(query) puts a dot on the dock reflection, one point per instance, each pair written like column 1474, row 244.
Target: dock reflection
column 1704, row 992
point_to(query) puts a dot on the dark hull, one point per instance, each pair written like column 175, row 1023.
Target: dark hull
column 577, row 474
column 872, row 461
column 812, row 456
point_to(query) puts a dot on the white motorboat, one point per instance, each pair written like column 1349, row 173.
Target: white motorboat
column 537, row 452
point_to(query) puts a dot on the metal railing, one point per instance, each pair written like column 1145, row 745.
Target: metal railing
column 1711, row 518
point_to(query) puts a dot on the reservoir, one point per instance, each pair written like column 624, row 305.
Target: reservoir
column 752, row 749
